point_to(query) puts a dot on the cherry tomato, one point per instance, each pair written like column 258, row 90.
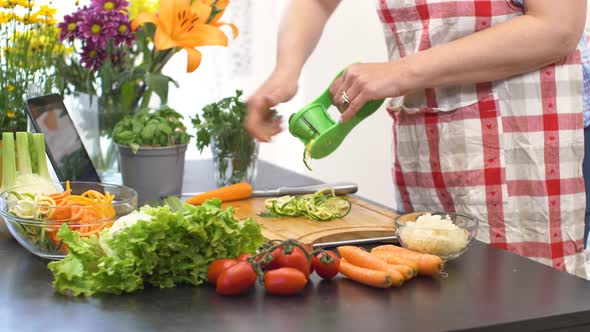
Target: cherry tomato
column 309, row 251
column 296, row 259
column 243, row 257
column 324, row 269
column 274, row 264
column 284, row 281
column 218, row 266
column 236, row 280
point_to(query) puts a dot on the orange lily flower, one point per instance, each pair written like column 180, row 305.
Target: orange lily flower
column 221, row 5
column 182, row 25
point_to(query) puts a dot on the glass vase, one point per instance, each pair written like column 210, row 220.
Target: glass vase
column 235, row 161
column 95, row 118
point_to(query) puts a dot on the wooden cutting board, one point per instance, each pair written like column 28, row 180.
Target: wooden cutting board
column 364, row 221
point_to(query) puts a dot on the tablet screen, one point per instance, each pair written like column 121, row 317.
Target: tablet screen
column 64, row 146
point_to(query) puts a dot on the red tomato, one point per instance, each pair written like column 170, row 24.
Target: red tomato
column 274, row 264
column 218, row 266
column 324, row 269
column 284, row 281
column 236, row 280
column 309, row 250
column 243, row 257
column 296, row 259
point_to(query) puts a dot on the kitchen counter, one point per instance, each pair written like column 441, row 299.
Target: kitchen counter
column 486, row 290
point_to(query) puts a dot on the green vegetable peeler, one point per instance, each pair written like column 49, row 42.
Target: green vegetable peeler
column 318, row 130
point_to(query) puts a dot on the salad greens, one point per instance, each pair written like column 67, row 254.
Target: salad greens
column 159, row 246
column 163, row 127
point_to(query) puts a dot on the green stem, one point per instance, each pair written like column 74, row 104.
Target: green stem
column 145, row 100
column 161, row 59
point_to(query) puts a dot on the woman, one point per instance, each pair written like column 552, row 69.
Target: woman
column 487, row 103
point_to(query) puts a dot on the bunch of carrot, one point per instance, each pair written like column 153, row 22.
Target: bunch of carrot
column 386, row 266
column 87, row 213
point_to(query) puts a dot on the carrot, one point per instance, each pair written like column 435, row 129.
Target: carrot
column 361, row 258
column 365, row 276
column 428, row 265
column 85, row 213
column 406, row 271
column 394, row 259
column 225, row 194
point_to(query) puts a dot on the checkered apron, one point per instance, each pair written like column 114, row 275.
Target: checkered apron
column 508, row 152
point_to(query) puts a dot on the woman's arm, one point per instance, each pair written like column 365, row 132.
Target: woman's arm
column 300, row 32
column 548, row 31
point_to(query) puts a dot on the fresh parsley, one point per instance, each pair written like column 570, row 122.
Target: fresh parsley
column 221, row 126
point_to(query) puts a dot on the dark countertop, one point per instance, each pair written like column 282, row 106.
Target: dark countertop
column 486, row 290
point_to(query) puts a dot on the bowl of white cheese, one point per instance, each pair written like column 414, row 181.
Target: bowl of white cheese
column 447, row 235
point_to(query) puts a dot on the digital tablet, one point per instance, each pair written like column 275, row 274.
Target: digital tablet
column 65, row 149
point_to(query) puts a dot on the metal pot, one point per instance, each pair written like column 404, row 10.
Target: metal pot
column 154, row 172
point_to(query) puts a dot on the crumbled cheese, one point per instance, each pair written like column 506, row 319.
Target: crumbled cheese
column 434, row 235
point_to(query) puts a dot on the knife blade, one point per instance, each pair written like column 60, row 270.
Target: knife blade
column 340, row 189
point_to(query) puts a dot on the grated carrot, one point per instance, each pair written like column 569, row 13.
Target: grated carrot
column 84, row 213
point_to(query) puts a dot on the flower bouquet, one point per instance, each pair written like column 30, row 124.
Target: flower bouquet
column 121, row 50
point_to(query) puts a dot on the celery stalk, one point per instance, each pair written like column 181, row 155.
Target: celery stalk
column 8, row 161
column 24, row 157
column 34, row 166
column 39, row 150
column 25, row 180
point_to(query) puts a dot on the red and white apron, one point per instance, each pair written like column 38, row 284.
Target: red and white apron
column 508, row 152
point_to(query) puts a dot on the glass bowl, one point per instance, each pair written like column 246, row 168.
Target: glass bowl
column 444, row 242
column 34, row 223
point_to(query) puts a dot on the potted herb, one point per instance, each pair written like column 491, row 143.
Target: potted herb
column 234, row 151
column 152, row 147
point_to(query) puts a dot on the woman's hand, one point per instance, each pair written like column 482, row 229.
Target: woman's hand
column 278, row 88
column 366, row 82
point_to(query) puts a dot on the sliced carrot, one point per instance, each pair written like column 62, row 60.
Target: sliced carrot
column 365, row 276
column 233, row 192
column 85, row 213
column 394, row 259
column 361, row 258
column 428, row 265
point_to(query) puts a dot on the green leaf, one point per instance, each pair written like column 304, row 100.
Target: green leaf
column 134, row 147
column 148, row 132
column 159, row 84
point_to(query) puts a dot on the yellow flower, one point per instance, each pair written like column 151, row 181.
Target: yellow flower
column 140, row 6
column 11, row 114
column 6, row 17
column 23, row 3
column 46, row 11
column 9, row 4
column 10, row 87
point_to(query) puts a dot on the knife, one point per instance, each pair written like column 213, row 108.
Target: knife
column 340, row 189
